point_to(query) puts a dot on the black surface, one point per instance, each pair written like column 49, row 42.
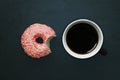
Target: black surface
column 16, row 15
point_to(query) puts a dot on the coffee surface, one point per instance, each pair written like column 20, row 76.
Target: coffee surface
column 81, row 38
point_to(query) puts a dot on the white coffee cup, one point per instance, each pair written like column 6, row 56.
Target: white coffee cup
column 91, row 53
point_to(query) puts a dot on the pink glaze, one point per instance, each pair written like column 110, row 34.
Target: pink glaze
column 28, row 40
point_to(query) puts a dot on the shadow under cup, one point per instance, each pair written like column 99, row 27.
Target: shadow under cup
column 82, row 38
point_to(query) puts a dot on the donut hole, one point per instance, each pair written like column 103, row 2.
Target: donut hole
column 39, row 40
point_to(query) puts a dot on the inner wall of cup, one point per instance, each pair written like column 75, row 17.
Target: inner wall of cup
column 91, row 52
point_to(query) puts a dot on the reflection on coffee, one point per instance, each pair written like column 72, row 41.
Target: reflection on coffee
column 82, row 38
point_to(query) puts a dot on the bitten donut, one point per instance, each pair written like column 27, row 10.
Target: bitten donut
column 31, row 46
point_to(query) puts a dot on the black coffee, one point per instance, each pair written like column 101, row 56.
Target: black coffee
column 81, row 38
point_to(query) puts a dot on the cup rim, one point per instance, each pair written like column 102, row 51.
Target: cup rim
column 98, row 46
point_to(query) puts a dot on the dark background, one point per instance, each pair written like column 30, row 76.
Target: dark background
column 17, row 15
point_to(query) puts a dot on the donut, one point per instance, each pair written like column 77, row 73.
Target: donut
column 34, row 48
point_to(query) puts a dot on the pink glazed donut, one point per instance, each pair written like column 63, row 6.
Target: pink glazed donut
column 31, row 46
